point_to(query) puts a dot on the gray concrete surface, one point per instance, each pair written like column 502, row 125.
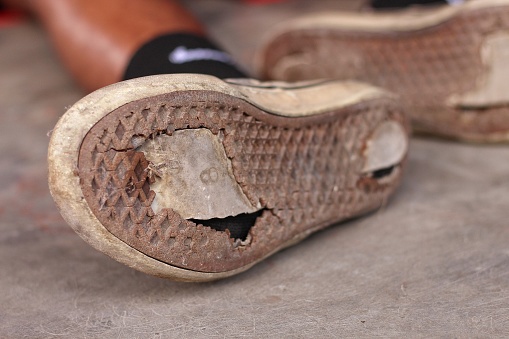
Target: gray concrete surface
column 433, row 263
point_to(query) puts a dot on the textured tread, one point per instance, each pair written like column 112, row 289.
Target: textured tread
column 305, row 172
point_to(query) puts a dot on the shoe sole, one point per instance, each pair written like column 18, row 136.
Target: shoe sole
column 139, row 168
column 449, row 65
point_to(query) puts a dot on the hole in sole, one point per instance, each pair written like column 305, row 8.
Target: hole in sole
column 238, row 225
column 383, row 172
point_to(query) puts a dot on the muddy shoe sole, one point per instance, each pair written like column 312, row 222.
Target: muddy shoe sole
column 449, row 64
column 192, row 178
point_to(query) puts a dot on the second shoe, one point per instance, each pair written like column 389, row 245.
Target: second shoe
column 449, row 64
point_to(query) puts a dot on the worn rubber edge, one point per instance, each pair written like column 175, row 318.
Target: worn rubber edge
column 64, row 180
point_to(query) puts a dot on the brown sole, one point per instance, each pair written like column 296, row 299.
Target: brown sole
column 448, row 71
column 296, row 176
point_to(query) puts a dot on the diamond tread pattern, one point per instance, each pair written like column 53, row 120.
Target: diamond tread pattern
column 305, row 177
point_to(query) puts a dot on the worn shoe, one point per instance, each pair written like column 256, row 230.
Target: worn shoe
column 448, row 64
column 192, row 178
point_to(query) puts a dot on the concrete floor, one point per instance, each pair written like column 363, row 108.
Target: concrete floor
column 433, row 263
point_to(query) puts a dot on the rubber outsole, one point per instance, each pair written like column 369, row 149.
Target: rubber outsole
column 302, row 174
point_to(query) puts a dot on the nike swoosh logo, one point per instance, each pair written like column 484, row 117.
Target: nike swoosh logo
column 182, row 55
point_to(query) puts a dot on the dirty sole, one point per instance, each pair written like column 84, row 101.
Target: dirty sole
column 448, row 64
column 192, row 178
